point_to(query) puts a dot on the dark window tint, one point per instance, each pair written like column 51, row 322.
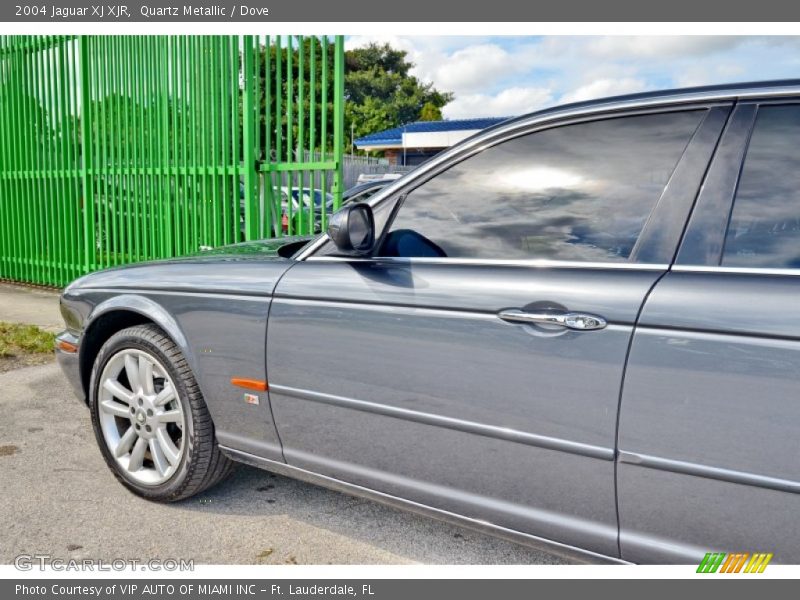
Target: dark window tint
column 764, row 230
column 576, row 192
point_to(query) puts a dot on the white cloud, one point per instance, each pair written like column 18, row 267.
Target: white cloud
column 469, row 70
column 706, row 74
column 508, row 103
column 499, row 76
column 660, row 46
column 462, row 65
column 601, row 88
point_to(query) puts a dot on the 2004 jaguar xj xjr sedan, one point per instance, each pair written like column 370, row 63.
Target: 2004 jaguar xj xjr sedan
column 579, row 327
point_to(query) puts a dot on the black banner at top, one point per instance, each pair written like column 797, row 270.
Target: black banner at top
column 461, row 11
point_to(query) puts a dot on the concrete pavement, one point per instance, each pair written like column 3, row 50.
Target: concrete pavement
column 59, row 498
column 35, row 306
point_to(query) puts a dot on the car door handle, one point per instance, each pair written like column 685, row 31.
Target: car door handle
column 570, row 320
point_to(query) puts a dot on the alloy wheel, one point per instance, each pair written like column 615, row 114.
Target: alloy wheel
column 141, row 416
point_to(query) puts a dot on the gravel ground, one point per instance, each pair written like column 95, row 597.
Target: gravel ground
column 59, row 498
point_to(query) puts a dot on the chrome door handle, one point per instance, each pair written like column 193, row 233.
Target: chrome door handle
column 571, row 320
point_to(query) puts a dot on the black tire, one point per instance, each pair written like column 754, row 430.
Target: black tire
column 202, row 464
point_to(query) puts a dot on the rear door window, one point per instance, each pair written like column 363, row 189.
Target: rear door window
column 764, row 228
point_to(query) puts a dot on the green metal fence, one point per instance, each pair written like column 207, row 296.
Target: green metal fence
column 118, row 149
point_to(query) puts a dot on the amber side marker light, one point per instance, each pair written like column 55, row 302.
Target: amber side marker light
column 250, row 384
column 67, row 347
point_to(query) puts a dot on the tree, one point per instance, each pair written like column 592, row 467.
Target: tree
column 34, row 132
column 430, row 112
column 380, row 93
column 290, row 81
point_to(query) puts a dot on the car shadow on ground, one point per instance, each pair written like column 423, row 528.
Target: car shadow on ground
column 251, row 491
column 63, row 500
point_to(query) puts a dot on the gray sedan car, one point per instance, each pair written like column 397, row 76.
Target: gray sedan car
column 578, row 328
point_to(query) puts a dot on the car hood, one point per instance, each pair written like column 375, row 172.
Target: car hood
column 245, row 268
column 244, row 250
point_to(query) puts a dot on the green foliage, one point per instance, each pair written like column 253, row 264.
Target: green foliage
column 34, row 127
column 430, row 112
column 381, row 94
column 16, row 340
column 286, row 89
column 379, row 91
column 119, row 122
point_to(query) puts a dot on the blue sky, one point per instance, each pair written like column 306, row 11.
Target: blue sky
column 506, row 76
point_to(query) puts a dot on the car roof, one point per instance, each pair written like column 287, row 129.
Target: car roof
column 709, row 93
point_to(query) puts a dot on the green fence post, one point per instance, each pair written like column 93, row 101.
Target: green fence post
column 249, row 150
column 129, row 148
column 338, row 121
column 89, row 255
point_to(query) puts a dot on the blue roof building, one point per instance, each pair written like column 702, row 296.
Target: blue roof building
column 414, row 143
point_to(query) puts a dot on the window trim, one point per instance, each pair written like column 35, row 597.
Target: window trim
column 767, row 271
column 538, row 263
column 776, row 270
column 716, row 199
column 661, row 235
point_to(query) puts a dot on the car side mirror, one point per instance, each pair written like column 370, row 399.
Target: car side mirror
column 352, row 229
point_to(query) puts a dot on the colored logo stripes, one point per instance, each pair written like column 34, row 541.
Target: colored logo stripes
column 741, row 562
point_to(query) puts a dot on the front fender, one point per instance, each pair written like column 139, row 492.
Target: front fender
column 222, row 337
column 148, row 308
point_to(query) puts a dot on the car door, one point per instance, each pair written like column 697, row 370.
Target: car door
column 425, row 371
column 710, row 414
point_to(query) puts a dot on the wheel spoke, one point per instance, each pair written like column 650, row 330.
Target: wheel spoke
column 119, row 391
column 171, row 416
column 125, row 442
column 159, row 459
column 115, row 408
column 170, row 451
column 164, row 396
column 137, row 455
column 146, row 375
column 132, row 370
column 148, row 442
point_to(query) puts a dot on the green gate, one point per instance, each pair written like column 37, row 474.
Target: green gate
column 119, row 149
